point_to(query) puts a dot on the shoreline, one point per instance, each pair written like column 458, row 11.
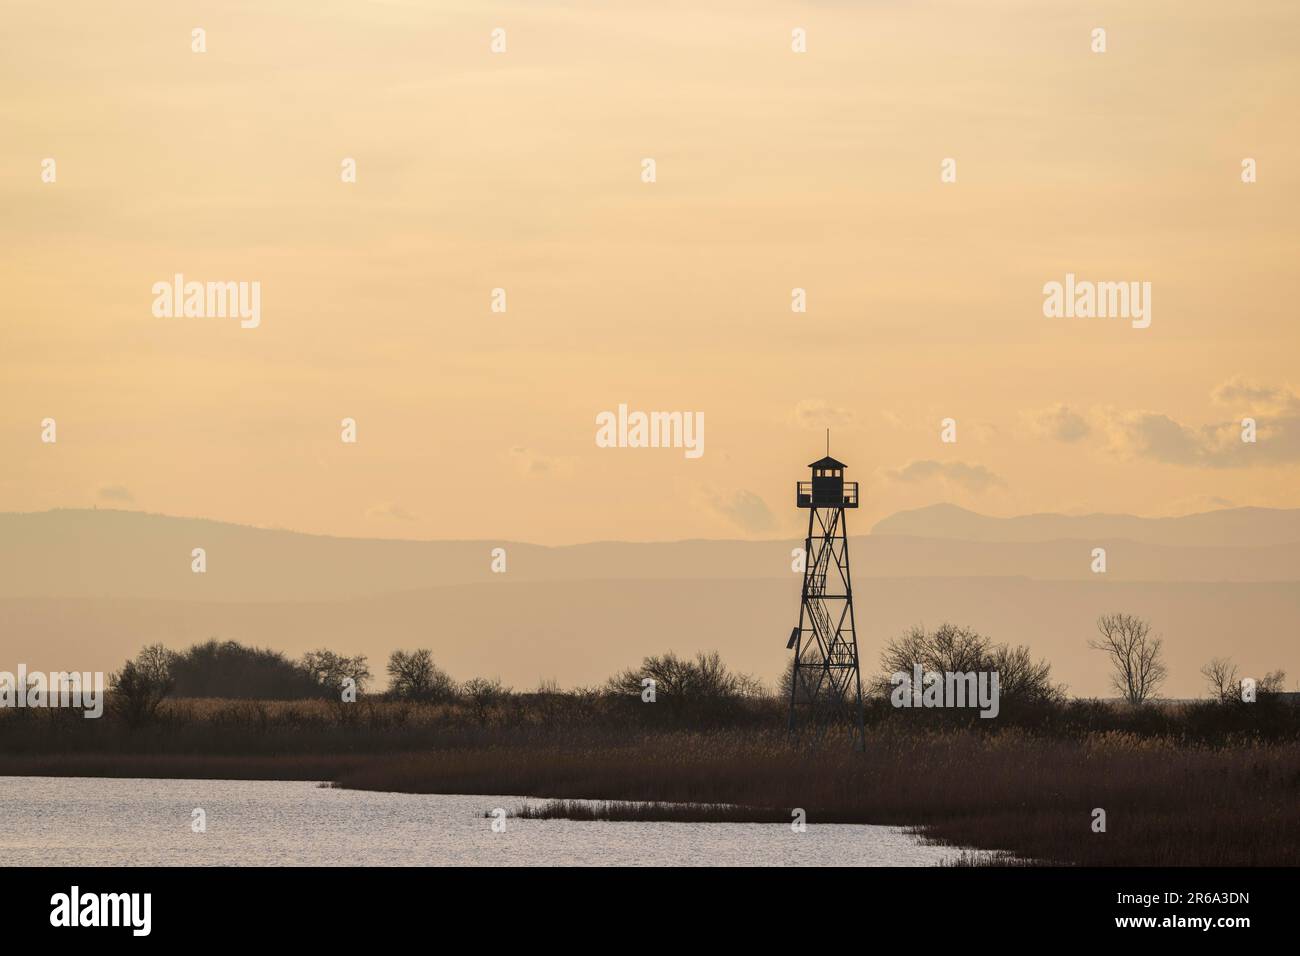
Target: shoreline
column 1016, row 794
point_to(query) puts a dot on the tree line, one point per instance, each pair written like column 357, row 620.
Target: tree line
column 227, row 669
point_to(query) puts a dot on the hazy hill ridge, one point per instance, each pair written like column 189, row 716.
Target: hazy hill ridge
column 1230, row 527
column 85, row 589
column 124, row 554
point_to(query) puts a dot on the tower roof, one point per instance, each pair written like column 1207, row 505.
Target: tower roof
column 828, row 462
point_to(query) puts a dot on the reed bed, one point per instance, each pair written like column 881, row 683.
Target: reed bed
column 1180, row 785
column 1031, row 798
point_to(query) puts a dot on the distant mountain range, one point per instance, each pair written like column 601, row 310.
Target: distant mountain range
column 1230, row 527
column 84, row 589
column 126, row 554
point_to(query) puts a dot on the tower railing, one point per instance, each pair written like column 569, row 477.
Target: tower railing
column 805, row 498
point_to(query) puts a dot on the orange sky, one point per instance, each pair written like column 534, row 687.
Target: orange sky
column 522, row 171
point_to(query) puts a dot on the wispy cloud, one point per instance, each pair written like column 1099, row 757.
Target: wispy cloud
column 1059, row 422
column 1241, row 393
column 819, row 413
column 116, row 493
column 389, row 510
column 532, row 463
column 1159, row 437
column 974, row 478
column 742, row 508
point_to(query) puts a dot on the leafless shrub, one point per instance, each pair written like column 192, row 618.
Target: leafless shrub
column 1221, row 676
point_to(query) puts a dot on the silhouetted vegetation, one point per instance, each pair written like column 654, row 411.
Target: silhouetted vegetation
column 142, row 684
column 483, row 696
column 229, row 669
column 1029, row 796
column 412, row 675
column 1227, row 689
column 1210, row 781
column 335, row 675
column 702, row 690
column 257, row 689
column 1023, row 682
column 1137, row 668
column 631, row 811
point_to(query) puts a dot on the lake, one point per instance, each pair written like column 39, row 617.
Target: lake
column 99, row 821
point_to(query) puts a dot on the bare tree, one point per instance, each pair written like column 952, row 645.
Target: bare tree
column 947, row 648
column 1023, row 680
column 1221, row 675
column 961, row 650
column 672, row 676
column 483, row 696
column 414, row 676
column 140, row 687
column 1137, row 670
column 1274, row 682
column 705, row 679
column 331, row 671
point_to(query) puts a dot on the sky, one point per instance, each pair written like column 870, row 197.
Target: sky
column 523, row 170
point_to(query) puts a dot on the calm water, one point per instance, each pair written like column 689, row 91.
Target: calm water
column 84, row 821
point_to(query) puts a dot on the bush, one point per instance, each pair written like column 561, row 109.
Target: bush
column 704, row 679
column 413, row 675
column 483, row 696
column 228, row 669
column 960, row 650
column 330, row 672
column 142, row 684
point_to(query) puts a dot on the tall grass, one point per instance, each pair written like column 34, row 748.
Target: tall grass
column 1166, row 803
column 1203, row 784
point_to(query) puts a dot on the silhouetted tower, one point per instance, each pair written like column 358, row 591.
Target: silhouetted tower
column 826, row 687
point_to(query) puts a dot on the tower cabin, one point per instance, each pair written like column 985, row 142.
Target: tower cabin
column 828, row 489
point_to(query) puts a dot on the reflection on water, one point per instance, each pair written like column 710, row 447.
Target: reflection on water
column 94, row 821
